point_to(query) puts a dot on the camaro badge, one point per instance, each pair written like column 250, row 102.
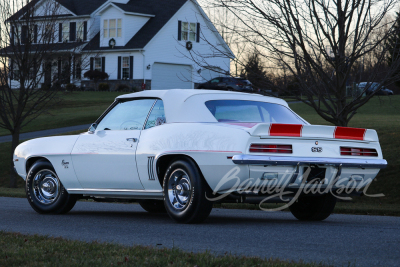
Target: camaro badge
column 65, row 164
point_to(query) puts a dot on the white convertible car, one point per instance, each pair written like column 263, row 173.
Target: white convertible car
column 177, row 151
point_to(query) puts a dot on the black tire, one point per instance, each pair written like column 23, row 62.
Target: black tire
column 61, row 202
column 153, row 206
column 313, row 208
column 196, row 208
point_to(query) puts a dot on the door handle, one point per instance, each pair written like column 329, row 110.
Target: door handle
column 132, row 139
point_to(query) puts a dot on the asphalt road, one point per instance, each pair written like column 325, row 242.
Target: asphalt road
column 339, row 240
column 37, row 134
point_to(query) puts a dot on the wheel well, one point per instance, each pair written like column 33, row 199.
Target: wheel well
column 164, row 161
column 32, row 161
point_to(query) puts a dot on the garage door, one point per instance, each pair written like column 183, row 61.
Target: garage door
column 170, row 76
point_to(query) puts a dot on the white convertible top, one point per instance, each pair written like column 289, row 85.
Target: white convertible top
column 187, row 105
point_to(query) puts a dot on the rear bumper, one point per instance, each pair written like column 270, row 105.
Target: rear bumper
column 293, row 161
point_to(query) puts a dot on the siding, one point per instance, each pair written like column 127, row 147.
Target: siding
column 130, row 25
column 165, row 48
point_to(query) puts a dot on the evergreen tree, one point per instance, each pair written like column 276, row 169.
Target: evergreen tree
column 394, row 48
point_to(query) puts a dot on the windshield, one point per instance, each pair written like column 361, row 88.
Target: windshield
column 251, row 111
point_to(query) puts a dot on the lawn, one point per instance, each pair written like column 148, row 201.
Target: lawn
column 76, row 108
column 25, row 250
column 381, row 113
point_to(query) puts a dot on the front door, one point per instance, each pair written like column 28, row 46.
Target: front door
column 106, row 158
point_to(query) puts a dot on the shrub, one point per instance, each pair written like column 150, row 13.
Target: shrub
column 70, row 87
column 104, row 87
column 122, row 88
column 95, row 75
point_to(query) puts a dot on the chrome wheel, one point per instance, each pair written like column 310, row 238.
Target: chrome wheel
column 46, row 187
column 179, row 189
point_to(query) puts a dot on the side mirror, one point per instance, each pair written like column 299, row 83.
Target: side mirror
column 92, row 128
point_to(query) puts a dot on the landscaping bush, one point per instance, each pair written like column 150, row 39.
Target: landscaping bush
column 122, row 88
column 104, row 87
column 70, row 87
column 95, row 75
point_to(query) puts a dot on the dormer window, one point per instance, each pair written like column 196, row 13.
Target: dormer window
column 79, row 30
column 112, row 28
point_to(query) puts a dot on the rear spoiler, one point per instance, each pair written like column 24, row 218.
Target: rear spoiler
column 265, row 130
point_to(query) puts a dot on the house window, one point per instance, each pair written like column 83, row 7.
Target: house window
column 112, row 28
column 65, row 32
column 48, row 35
column 105, row 28
column 79, row 31
column 125, row 68
column 189, row 31
column 97, row 64
column 17, row 35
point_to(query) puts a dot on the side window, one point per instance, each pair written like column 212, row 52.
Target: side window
column 215, row 80
column 129, row 115
column 157, row 115
column 226, row 80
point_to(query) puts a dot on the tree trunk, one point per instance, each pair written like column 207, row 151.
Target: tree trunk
column 14, row 144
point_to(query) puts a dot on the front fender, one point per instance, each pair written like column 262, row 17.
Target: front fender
column 57, row 150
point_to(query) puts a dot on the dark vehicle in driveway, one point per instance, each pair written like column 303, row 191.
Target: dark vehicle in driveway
column 226, row 83
column 374, row 87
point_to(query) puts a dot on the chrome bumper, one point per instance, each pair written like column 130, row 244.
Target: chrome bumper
column 293, row 161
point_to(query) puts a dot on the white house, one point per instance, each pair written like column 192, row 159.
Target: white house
column 148, row 44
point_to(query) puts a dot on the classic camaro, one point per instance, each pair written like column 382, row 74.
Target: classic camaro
column 180, row 151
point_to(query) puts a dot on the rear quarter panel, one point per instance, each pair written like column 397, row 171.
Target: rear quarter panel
column 207, row 144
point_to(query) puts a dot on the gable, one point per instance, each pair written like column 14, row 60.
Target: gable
column 162, row 12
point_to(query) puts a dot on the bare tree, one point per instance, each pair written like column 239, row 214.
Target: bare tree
column 317, row 44
column 34, row 62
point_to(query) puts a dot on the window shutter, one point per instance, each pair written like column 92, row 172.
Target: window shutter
column 59, row 70
column 60, row 32
column 119, row 68
column 11, row 71
column 179, row 30
column 91, row 63
column 24, row 32
column 72, row 31
column 103, row 64
column 35, row 34
column 131, row 67
column 198, row 33
column 74, row 68
column 12, row 35
column 84, row 30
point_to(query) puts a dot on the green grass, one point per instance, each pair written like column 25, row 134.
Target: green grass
column 26, row 250
column 76, row 108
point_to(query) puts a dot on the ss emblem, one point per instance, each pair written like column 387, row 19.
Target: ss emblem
column 316, row 149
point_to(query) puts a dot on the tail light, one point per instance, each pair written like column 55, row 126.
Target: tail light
column 356, row 151
column 239, row 84
column 269, row 148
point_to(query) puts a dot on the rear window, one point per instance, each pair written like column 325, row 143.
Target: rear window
column 251, row 111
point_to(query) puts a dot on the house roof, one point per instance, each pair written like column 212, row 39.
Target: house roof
column 78, row 7
column 162, row 12
column 56, row 47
